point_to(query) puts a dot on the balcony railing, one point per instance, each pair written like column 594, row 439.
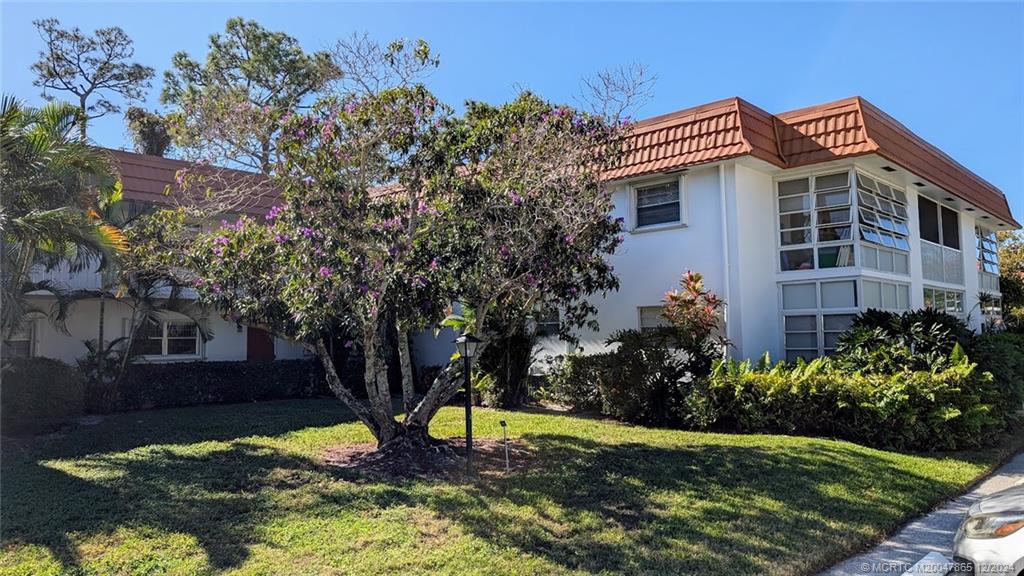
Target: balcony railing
column 941, row 263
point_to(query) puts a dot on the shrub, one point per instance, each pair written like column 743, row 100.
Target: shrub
column 1002, row 354
column 880, row 342
column 645, row 380
column 573, row 380
column 919, row 410
column 38, row 395
column 163, row 385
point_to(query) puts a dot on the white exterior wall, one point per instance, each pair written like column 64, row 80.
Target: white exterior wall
column 753, row 294
column 227, row 344
column 651, row 261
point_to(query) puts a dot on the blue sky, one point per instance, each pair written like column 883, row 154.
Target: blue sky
column 953, row 73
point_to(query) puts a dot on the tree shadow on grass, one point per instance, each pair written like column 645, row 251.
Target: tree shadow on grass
column 221, row 422
column 634, row 508
column 584, row 505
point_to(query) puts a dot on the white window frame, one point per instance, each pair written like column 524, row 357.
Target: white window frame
column 163, row 355
column 815, row 244
column 28, row 333
column 640, row 317
column 961, row 313
column 684, row 216
column 818, row 312
column 985, row 277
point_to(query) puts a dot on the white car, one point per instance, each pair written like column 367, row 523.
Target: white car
column 991, row 538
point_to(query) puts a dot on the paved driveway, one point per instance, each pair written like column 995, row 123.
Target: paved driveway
column 931, row 533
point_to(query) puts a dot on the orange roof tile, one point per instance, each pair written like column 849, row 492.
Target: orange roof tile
column 146, row 178
column 842, row 129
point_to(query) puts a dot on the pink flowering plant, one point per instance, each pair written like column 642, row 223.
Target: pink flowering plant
column 393, row 209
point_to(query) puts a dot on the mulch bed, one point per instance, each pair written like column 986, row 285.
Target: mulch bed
column 442, row 460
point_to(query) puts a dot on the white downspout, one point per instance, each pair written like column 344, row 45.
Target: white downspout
column 725, row 251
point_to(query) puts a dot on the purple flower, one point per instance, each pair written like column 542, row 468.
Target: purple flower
column 349, row 344
column 306, row 231
column 281, row 238
column 216, row 287
column 569, row 238
column 433, row 264
column 504, row 251
column 324, row 271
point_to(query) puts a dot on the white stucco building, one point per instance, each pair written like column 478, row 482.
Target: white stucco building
column 798, row 220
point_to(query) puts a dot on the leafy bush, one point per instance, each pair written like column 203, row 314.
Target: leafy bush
column 880, row 342
column 645, row 380
column 163, row 385
column 1002, row 354
column 946, row 409
column 38, row 395
column 572, row 380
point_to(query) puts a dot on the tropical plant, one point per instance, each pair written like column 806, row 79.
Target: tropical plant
column 50, row 188
column 887, row 342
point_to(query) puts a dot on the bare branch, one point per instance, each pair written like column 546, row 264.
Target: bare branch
column 616, row 92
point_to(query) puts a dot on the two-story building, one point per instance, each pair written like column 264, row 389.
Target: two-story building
column 799, row 220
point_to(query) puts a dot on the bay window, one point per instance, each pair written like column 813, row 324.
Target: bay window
column 815, row 223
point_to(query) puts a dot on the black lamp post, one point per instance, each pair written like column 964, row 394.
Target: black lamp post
column 467, row 344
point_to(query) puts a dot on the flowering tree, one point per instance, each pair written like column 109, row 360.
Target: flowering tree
column 394, row 209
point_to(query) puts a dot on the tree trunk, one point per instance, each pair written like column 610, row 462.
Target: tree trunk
column 405, row 361
column 344, row 394
column 377, row 386
column 100, row 345
column 441, row 391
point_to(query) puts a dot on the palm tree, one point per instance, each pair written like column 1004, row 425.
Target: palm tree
column 50, row 187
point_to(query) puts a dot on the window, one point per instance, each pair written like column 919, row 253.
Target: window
column 884, row 259
column 651, row 318
column 168, row 338
column 21, row 344
column 882, row 212
column 814, row 222
column 815, row 314
column 988, row 259
column 948, row 301
column 939, row 225
column 548, row 323
column 880, row 295
column 658, row 203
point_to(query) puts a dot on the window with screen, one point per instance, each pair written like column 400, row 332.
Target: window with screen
column 658, row 204
column 988, row 251
column 651, row 317
column 168, row 338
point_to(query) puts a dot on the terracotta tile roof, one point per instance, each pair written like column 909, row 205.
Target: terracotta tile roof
column 842, row 129
column 146, row 178
column 708, row 133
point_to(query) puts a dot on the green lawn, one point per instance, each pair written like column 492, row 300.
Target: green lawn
column 242, row 490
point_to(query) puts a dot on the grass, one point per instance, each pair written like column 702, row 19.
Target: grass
column 241, row 489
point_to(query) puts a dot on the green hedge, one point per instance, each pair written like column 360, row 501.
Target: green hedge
column 38, row 395
column 958, row 407
column 164, row 385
